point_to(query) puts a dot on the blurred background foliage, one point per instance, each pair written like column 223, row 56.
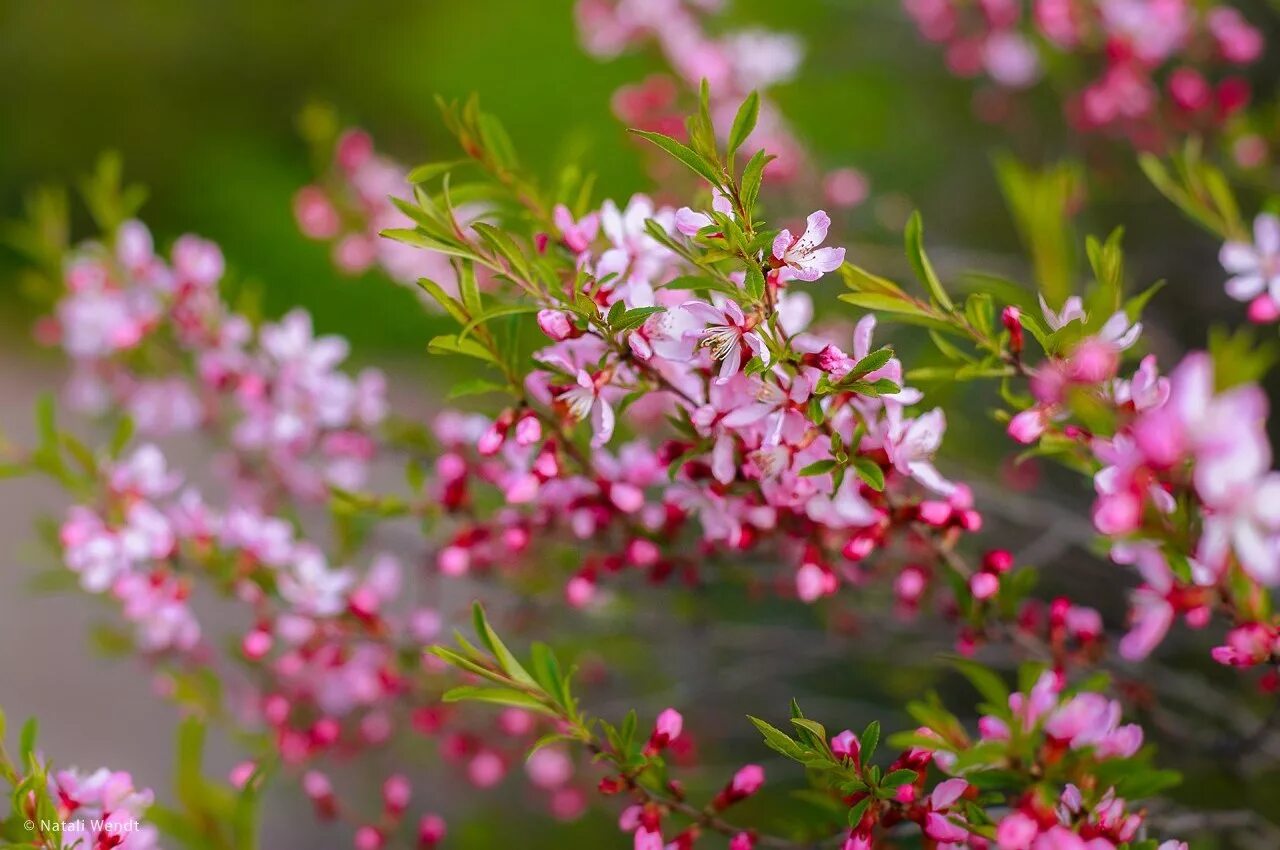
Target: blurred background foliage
column 202, row 100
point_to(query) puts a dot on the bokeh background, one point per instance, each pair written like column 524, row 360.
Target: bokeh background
column 202, row 100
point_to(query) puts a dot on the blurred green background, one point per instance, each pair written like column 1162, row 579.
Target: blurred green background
column 202, row 99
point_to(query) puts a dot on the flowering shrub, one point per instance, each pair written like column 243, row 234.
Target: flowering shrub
column 670, row 397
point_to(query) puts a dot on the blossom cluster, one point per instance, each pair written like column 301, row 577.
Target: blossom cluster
column 56, row 808
column 678, row 409
column 1157, row 69
column 766, row 409
column 155, row 339
column 1045, row 772
column 1183, row 458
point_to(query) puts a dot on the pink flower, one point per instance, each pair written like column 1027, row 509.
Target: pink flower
column 578, row 235
column 801, row 254
column 727, row 332
column 1016, row 832
column 1072, row 311
column 1255, row 268
column 1028, row 425
column 689, row 221
column 1238, row 40
column 585, row 400
column 647, row 839
column 911, row 445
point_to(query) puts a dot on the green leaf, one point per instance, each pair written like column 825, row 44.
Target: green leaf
column 634, row 317
column 898, row 777
column 859, row 809
column 497, row 696
column 475, row 386
column 506, row 661
column 450, row 304
column 869, row 739
column 450, row 344
column 755, row 282
column 430, row 170
column 27, row 740
column 778, row 740
column 495, row 313
column 818, row 467
column 188, row 755
column 752, row 177
column 872, row 362
column 985, row 681
column 920, row 262
column 743, row 123
column 462, row 662
column 869, row 471
column 685, row 155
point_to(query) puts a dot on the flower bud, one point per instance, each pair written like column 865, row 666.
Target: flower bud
column 368, row 838
column 666, row 728
column 528, row 430
column 984, row 585
column 556, row 325
column 431, row 831
column 396, row 792
column 847, row 746
column 1012, row 319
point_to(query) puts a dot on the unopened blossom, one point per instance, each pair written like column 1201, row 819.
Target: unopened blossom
column 802, row 256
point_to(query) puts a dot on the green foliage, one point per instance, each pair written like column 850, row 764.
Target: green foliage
column 1041, row 203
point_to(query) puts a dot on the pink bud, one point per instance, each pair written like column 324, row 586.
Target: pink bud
column 1027, row 426
column 984, row 585
column 354, row 149
column 256, row 644
column 431, row 831
column 355, row 253
column 647, row 839
column 368, row 838
column 528, row 430
column 847, row 746
column 316, row 216
column 241, row 773
column 579, row 591
column 549, row 768
column 486, row 769
column 747, row 780
column 454, row 561
column 395, row 793
column 1012, row 319
column 669, row 725
column 998, row 561
column 1263, row 310
column 1016, row 832
column 491, row 440
column 555, row 324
